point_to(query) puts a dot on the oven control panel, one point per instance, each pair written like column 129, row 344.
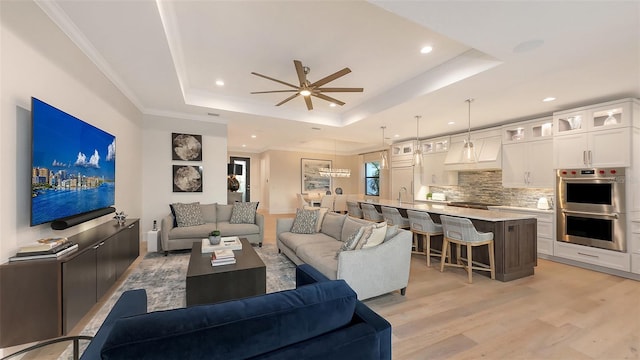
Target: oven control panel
column 616, row 173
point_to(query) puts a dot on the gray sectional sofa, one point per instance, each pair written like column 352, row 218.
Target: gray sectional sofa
column 369, row 271
column 216, row 216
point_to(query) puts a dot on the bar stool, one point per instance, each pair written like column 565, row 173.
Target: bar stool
column 421, row 224
column 370, row 213
column 392, row 217
column 461, row 231
column 353, row 209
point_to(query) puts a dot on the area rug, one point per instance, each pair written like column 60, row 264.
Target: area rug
column 163, row 277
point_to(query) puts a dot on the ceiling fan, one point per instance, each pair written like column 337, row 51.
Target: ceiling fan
column 307, row 88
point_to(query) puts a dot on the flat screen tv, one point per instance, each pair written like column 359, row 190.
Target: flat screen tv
column 73, row 165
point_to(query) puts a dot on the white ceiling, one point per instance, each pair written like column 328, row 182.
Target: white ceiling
column 166, row 56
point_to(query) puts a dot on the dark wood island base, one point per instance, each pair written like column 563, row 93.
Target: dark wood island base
column 515, row 237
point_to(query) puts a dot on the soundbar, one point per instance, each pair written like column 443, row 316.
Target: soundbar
column 70, row 221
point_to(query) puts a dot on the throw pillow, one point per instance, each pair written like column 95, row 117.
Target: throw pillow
column 332, row 225
column 391, row 232
column 321, row 214
column 188, row 214
column 377, row 236
column 352, row 242
column 243, row 213
column 305, row 221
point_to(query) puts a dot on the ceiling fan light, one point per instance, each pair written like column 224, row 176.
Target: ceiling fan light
column 305, row 92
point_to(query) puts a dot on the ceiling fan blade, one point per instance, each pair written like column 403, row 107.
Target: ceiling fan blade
column 302, row 77
column 329, row 99
column 287, row 99
column 307, row 99
column 340, row 89
column 331, row 77
column 272, row 91
column 276, row 80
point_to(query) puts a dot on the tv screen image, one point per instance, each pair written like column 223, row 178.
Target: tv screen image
column 73, row 165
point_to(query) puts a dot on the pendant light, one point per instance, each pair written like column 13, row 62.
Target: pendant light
column 468, row 150
column 417, row 153
column 334, row 172
column 384, row 161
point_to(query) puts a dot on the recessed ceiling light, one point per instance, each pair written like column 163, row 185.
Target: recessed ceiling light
column 219, row 82
column 547, row 99
column 244, row 145
column 333, row 105
column 426, row 50
column 253, row 136
column 451, row 123
column 396, row 135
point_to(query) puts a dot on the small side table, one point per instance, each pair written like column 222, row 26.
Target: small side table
column 152, row 240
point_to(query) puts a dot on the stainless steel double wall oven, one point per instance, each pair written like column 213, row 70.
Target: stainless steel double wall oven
column 591, row 207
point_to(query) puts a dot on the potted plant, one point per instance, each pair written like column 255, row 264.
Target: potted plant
column 214, row 237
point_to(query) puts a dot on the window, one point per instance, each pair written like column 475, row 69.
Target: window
column 372, row 178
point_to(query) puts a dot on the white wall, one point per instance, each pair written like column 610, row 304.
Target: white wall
column 157, row 167
column 284, row 179
column 37, row 59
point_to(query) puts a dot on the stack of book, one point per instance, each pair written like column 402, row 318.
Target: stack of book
column 226, row 243
column 222, row 257
column 51, row 248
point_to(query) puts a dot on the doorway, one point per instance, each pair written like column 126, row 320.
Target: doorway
column 245, row 177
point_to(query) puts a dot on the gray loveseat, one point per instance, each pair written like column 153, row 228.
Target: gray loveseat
column 216, row 216
column 370, row 271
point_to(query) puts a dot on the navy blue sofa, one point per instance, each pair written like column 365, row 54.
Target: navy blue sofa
column 320, row 319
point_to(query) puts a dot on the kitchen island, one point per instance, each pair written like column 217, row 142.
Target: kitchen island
column 514, row 235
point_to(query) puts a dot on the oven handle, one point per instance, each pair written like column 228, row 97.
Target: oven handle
column 607, row 179
column 614, row 215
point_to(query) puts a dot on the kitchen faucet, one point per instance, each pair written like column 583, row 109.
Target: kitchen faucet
column 400, row 193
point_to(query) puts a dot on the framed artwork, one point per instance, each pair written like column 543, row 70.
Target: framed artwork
column 186, row 147
column 187, row 178
column 310, row 176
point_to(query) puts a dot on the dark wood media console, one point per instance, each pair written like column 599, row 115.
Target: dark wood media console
column 42, row 299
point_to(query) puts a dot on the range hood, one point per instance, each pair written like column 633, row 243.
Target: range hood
column 488, row 152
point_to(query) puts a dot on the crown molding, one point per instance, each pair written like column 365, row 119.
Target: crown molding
column 60, row 18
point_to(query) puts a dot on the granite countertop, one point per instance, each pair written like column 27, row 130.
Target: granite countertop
column 443, row 209
column 516, row 208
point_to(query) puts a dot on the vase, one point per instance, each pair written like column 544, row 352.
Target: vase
column 214, row 240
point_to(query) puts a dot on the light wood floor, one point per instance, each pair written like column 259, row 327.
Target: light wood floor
column 562, row 312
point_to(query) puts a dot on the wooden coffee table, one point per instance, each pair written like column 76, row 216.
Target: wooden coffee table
column 208, row 284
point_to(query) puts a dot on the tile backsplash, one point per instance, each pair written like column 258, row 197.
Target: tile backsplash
column 486, row 187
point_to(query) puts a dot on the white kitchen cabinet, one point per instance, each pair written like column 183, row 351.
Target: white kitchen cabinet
column 527, row 154
column 433, row 172
column 590, row 255
column 528, row 164
column 604, row 148
column 610, row 115
column 594, row 136
column 438, row 145
column 402, row 153
column 531, row 130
